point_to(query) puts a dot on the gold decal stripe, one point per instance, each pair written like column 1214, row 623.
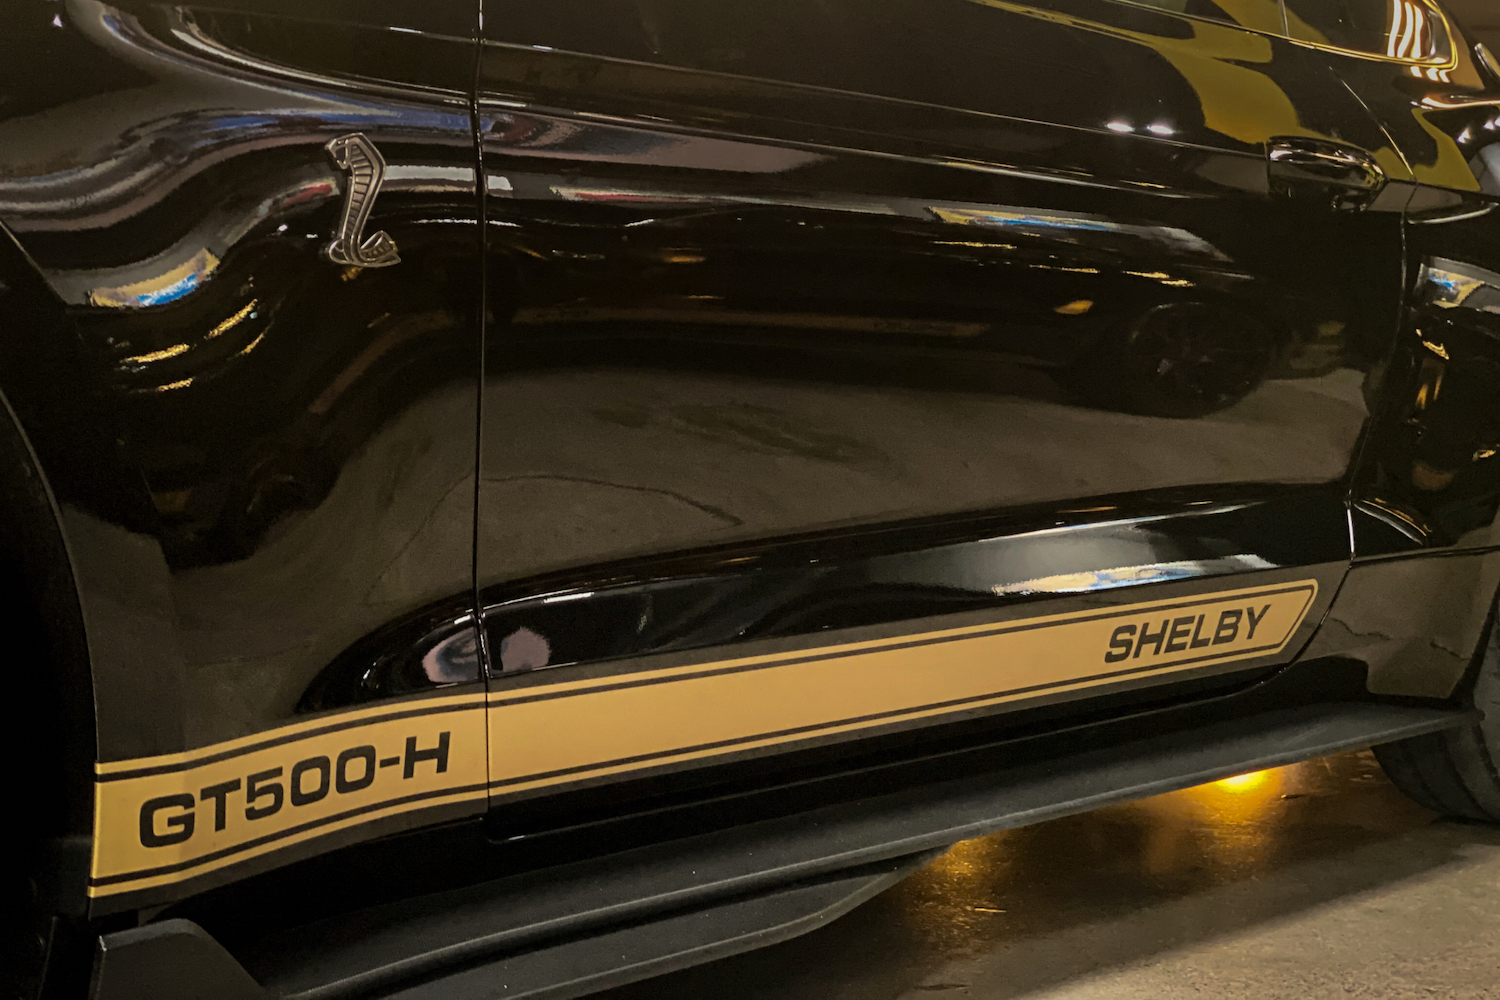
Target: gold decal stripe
column 191, row 758
column 548, row 735
column 163, row 820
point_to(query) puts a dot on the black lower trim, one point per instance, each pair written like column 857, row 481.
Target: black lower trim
column 176, row 960
column 678, row 941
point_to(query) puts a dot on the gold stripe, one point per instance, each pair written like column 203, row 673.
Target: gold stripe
column 282, row 732
column 476, row 796
column 184, row 809
column 606, row 726
column 524, row 738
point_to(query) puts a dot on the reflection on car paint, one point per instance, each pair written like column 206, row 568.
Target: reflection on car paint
column 1218, row 62
column 286, row 442
column 1456, row 285
column 1104, row 579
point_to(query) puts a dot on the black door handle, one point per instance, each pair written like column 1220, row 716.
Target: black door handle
column 1344, row 178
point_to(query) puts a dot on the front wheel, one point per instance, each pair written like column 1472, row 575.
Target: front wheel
column 1454, row 772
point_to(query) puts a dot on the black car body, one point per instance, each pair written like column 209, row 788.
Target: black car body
column 509, row 501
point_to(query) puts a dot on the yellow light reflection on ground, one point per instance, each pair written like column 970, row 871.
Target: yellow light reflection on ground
column 1218, row 829
column 1244, row 782
column 952, row 901
column 1240, row 800
column 966, row 858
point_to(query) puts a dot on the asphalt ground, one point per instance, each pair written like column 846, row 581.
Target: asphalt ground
column 1317, row 880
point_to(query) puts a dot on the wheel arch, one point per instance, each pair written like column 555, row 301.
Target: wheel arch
column 49, row 719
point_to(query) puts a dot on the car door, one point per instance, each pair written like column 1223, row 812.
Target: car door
column 849, row 367
column 257, row 413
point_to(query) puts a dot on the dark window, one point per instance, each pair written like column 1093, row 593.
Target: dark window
column 1398, row 29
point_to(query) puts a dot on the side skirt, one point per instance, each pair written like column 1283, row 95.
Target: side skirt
column 576, row 928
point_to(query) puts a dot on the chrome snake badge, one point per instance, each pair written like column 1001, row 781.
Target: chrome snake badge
column 357, row 156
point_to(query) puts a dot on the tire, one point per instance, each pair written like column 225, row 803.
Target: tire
column 1454, row 772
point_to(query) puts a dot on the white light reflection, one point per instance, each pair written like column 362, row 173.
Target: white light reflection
column 1393, row 39
column 1119, row 126
column 560, row 598
column 1410, row 35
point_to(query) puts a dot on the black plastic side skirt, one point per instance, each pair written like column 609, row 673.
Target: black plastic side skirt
column 577, row 928
column 625, row 955
column 172, row 960
column 176, row 960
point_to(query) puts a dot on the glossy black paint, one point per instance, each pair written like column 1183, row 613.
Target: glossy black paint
column 205, row 392
column 259, row 456
column 758, row 332
column 798, row 287
column 823, row 584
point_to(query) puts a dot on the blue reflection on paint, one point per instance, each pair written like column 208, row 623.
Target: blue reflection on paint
column 176, row 290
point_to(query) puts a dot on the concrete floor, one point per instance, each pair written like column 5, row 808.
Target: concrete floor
column 1318, row 880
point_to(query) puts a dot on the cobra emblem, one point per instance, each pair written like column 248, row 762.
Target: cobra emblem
column 357, row 156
